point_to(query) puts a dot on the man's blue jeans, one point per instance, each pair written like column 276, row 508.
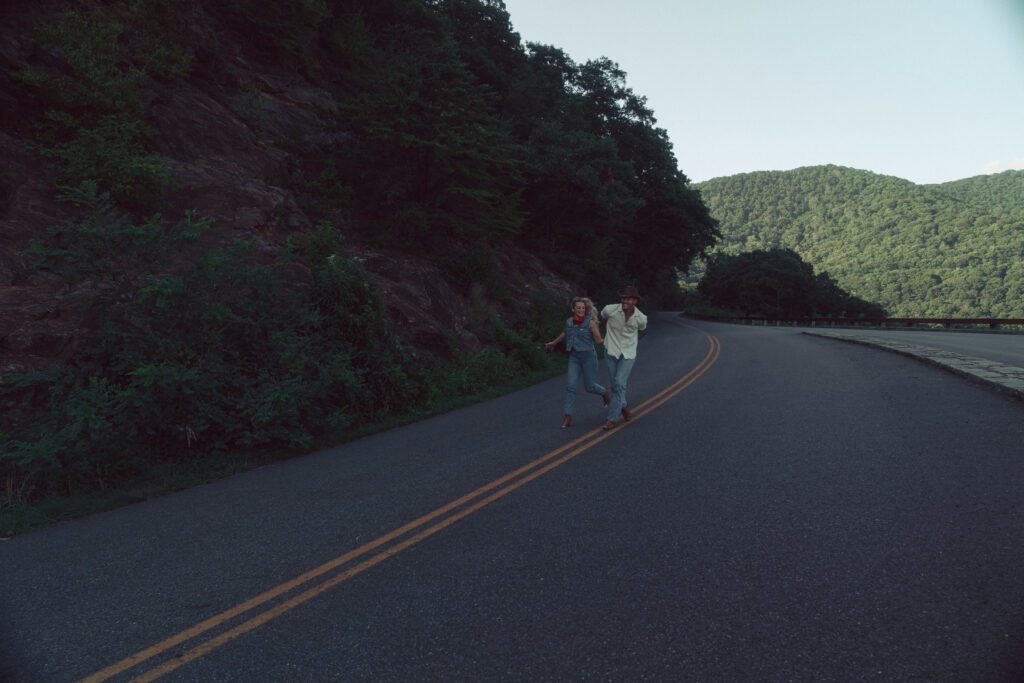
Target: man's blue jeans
column 581, row 363
column 618, row 376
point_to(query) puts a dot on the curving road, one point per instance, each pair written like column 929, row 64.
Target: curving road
column 783, row 508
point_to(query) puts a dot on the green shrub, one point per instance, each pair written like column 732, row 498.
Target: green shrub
column 189, row 354
column 103, row 245
column 326, row 193
column 93, row 123
column 110, row 149
column 471, row 373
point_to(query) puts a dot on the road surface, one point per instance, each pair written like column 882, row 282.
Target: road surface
column 782, row 508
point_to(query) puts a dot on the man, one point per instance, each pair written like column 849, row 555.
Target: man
column 624, row 322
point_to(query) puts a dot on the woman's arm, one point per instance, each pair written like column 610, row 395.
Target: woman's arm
column 554, row 342
column 596, row 332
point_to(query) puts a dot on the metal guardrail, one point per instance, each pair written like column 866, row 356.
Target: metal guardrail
column 947, row 323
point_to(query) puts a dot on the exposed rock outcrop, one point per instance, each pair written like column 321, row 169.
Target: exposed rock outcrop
column 237, row 136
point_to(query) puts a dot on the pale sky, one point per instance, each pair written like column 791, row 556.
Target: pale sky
column 926, row 90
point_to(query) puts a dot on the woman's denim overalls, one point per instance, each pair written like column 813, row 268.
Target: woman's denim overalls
column 579, row 342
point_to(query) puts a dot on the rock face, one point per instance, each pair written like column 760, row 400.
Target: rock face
column 238, row 136
column 431, row 311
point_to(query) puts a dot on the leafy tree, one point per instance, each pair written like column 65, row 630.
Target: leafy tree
column 487, row 45
column 93, row 122
column 776, row 283
column 462, row 140
column 604, row 191
column 430, row 162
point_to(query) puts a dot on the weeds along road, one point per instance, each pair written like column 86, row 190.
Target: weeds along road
column 783, row 507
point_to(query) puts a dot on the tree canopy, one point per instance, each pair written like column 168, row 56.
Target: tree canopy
column 777, row 283
column 460, row 133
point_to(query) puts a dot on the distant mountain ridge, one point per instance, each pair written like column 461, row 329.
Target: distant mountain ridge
column 952, row 249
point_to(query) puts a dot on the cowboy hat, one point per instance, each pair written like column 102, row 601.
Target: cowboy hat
column 630, row 291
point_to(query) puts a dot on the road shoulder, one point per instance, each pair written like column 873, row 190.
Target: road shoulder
column 1008, row 379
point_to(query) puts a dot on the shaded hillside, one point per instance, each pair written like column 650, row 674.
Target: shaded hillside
column 426, row 133
column 953, row 249
column 238, row 225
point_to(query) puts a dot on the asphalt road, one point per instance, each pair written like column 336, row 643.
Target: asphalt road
column 792, row 509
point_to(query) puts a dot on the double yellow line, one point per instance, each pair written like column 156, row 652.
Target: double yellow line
column 424, row 527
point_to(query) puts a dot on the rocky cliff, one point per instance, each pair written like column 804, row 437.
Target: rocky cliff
column 238, row 135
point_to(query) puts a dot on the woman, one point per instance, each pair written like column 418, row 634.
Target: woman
column 580, row 335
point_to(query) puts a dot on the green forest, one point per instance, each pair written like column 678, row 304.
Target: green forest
column 454, row 141
column 464, row 139
column 946, row 250
column 773, row 283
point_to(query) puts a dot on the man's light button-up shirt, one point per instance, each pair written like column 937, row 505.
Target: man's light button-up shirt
column 621, row 335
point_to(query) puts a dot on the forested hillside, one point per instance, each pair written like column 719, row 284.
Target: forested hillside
column 951, row 249
column 1001, row 194
column 238, row 225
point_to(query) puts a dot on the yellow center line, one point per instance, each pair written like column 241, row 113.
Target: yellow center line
column 217, row 620
column 287, row 586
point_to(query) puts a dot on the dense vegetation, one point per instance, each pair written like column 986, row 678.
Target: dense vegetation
column 458, row 141
column 774, row 283
column 467, row 138
column 954, row 249
column 219, row 353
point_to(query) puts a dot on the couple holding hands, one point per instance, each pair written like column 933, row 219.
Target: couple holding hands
column 623, row 323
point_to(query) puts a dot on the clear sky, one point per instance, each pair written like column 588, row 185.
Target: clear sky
column 926, row 90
